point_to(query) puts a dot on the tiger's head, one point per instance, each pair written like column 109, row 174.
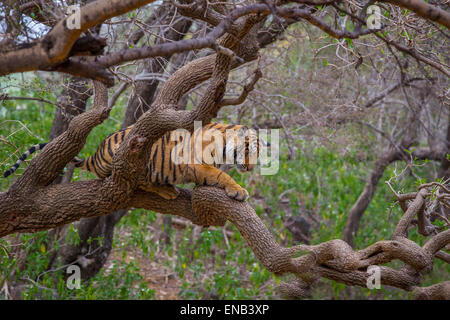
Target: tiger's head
column 245, row 149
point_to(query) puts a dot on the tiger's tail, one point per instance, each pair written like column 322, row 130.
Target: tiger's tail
column 23, row 157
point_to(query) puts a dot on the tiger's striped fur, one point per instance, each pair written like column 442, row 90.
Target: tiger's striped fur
column 162, row 173
column 101, row 162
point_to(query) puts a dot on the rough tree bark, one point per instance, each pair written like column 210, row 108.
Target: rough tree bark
column 92, row 255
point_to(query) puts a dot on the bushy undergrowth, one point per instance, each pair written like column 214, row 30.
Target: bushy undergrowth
column 319, row 181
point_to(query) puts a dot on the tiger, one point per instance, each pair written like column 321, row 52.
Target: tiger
column 181, row 157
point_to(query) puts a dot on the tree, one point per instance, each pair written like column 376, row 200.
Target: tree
column 235, row 33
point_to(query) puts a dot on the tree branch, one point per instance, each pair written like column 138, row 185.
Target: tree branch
column 55, row 47
column 425, row 10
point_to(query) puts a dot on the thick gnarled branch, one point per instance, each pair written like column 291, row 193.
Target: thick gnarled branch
column 55, row 47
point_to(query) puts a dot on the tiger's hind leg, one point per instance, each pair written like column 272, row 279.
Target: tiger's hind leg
column 202, row 174
column 166, row 191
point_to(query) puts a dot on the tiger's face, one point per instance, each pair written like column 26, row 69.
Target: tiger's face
column 246, row 154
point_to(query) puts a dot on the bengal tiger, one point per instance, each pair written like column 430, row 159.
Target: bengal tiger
column 178, row 158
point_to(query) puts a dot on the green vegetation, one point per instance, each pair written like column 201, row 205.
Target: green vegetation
column 318, row 179
column 320, row 183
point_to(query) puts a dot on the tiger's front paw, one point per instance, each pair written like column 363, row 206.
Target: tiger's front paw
column 237, row 193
